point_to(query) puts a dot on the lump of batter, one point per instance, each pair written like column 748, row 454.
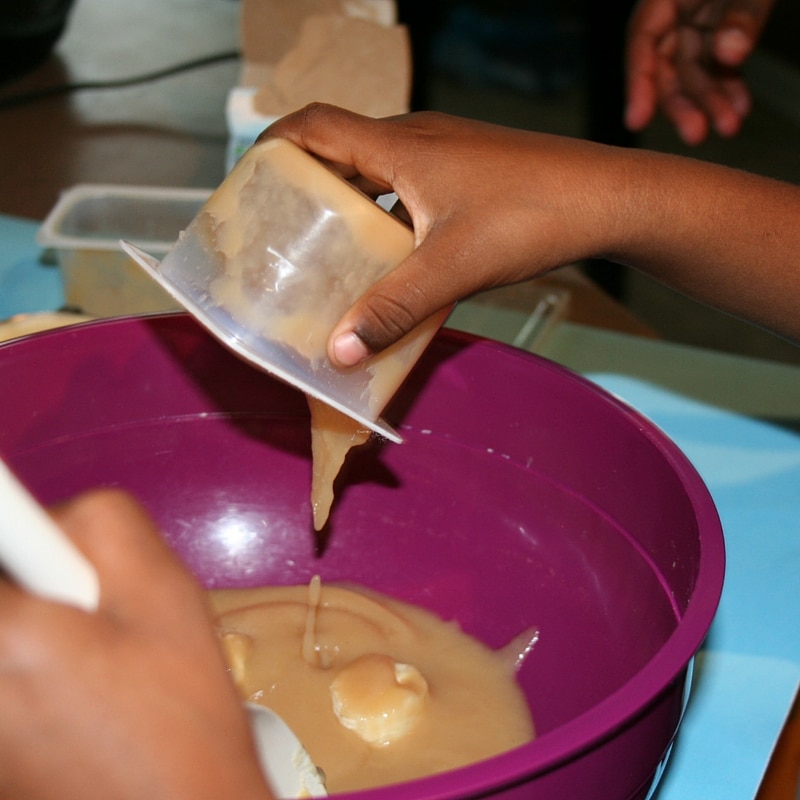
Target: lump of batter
column 378, row 698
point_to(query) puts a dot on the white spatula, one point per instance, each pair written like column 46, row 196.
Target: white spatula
column 37, row 554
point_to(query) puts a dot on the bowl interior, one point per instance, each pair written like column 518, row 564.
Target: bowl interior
column 522, row 496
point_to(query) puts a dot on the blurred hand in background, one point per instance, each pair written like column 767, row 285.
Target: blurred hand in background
column 684, row 57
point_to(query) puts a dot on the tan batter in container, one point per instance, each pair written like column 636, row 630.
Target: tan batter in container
column 295, row 245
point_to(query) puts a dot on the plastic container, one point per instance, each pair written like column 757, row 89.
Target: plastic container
column 524, row 496
column 85, row 227
column 278, row 253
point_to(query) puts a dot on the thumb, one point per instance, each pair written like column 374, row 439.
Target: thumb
column 739, row 29
column 409, row 295
column 386, row 312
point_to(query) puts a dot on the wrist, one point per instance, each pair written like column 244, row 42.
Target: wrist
column 640, row 207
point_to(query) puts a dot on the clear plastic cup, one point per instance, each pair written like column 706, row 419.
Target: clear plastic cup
column 274, row 258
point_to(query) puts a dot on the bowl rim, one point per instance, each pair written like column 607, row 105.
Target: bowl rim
column 585, row 731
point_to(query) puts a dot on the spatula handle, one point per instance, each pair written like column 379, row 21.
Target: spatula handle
column 37, row 554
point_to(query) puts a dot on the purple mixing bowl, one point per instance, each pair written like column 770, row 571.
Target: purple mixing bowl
column 523, row 495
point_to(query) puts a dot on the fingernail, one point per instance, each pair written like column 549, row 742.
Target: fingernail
column 731, row 46
column 349, row 350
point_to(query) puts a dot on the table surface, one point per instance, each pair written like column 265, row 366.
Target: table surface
column 172, row 132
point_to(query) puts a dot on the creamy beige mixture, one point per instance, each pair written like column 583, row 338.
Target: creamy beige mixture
column 377, row 690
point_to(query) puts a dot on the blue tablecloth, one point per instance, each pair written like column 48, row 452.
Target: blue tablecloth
column 748, row 672
column 27, row 284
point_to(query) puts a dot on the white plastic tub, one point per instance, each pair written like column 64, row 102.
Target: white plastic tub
column 85, row 226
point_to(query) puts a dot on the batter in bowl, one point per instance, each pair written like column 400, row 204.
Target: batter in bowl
column 379, row 691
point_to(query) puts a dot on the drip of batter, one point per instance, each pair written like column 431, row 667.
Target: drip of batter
column 333, row 435
column 311, row 651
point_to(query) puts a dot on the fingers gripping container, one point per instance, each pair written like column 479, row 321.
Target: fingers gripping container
column 272, row 261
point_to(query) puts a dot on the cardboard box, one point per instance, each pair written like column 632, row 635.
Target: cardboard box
column 351, row 53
